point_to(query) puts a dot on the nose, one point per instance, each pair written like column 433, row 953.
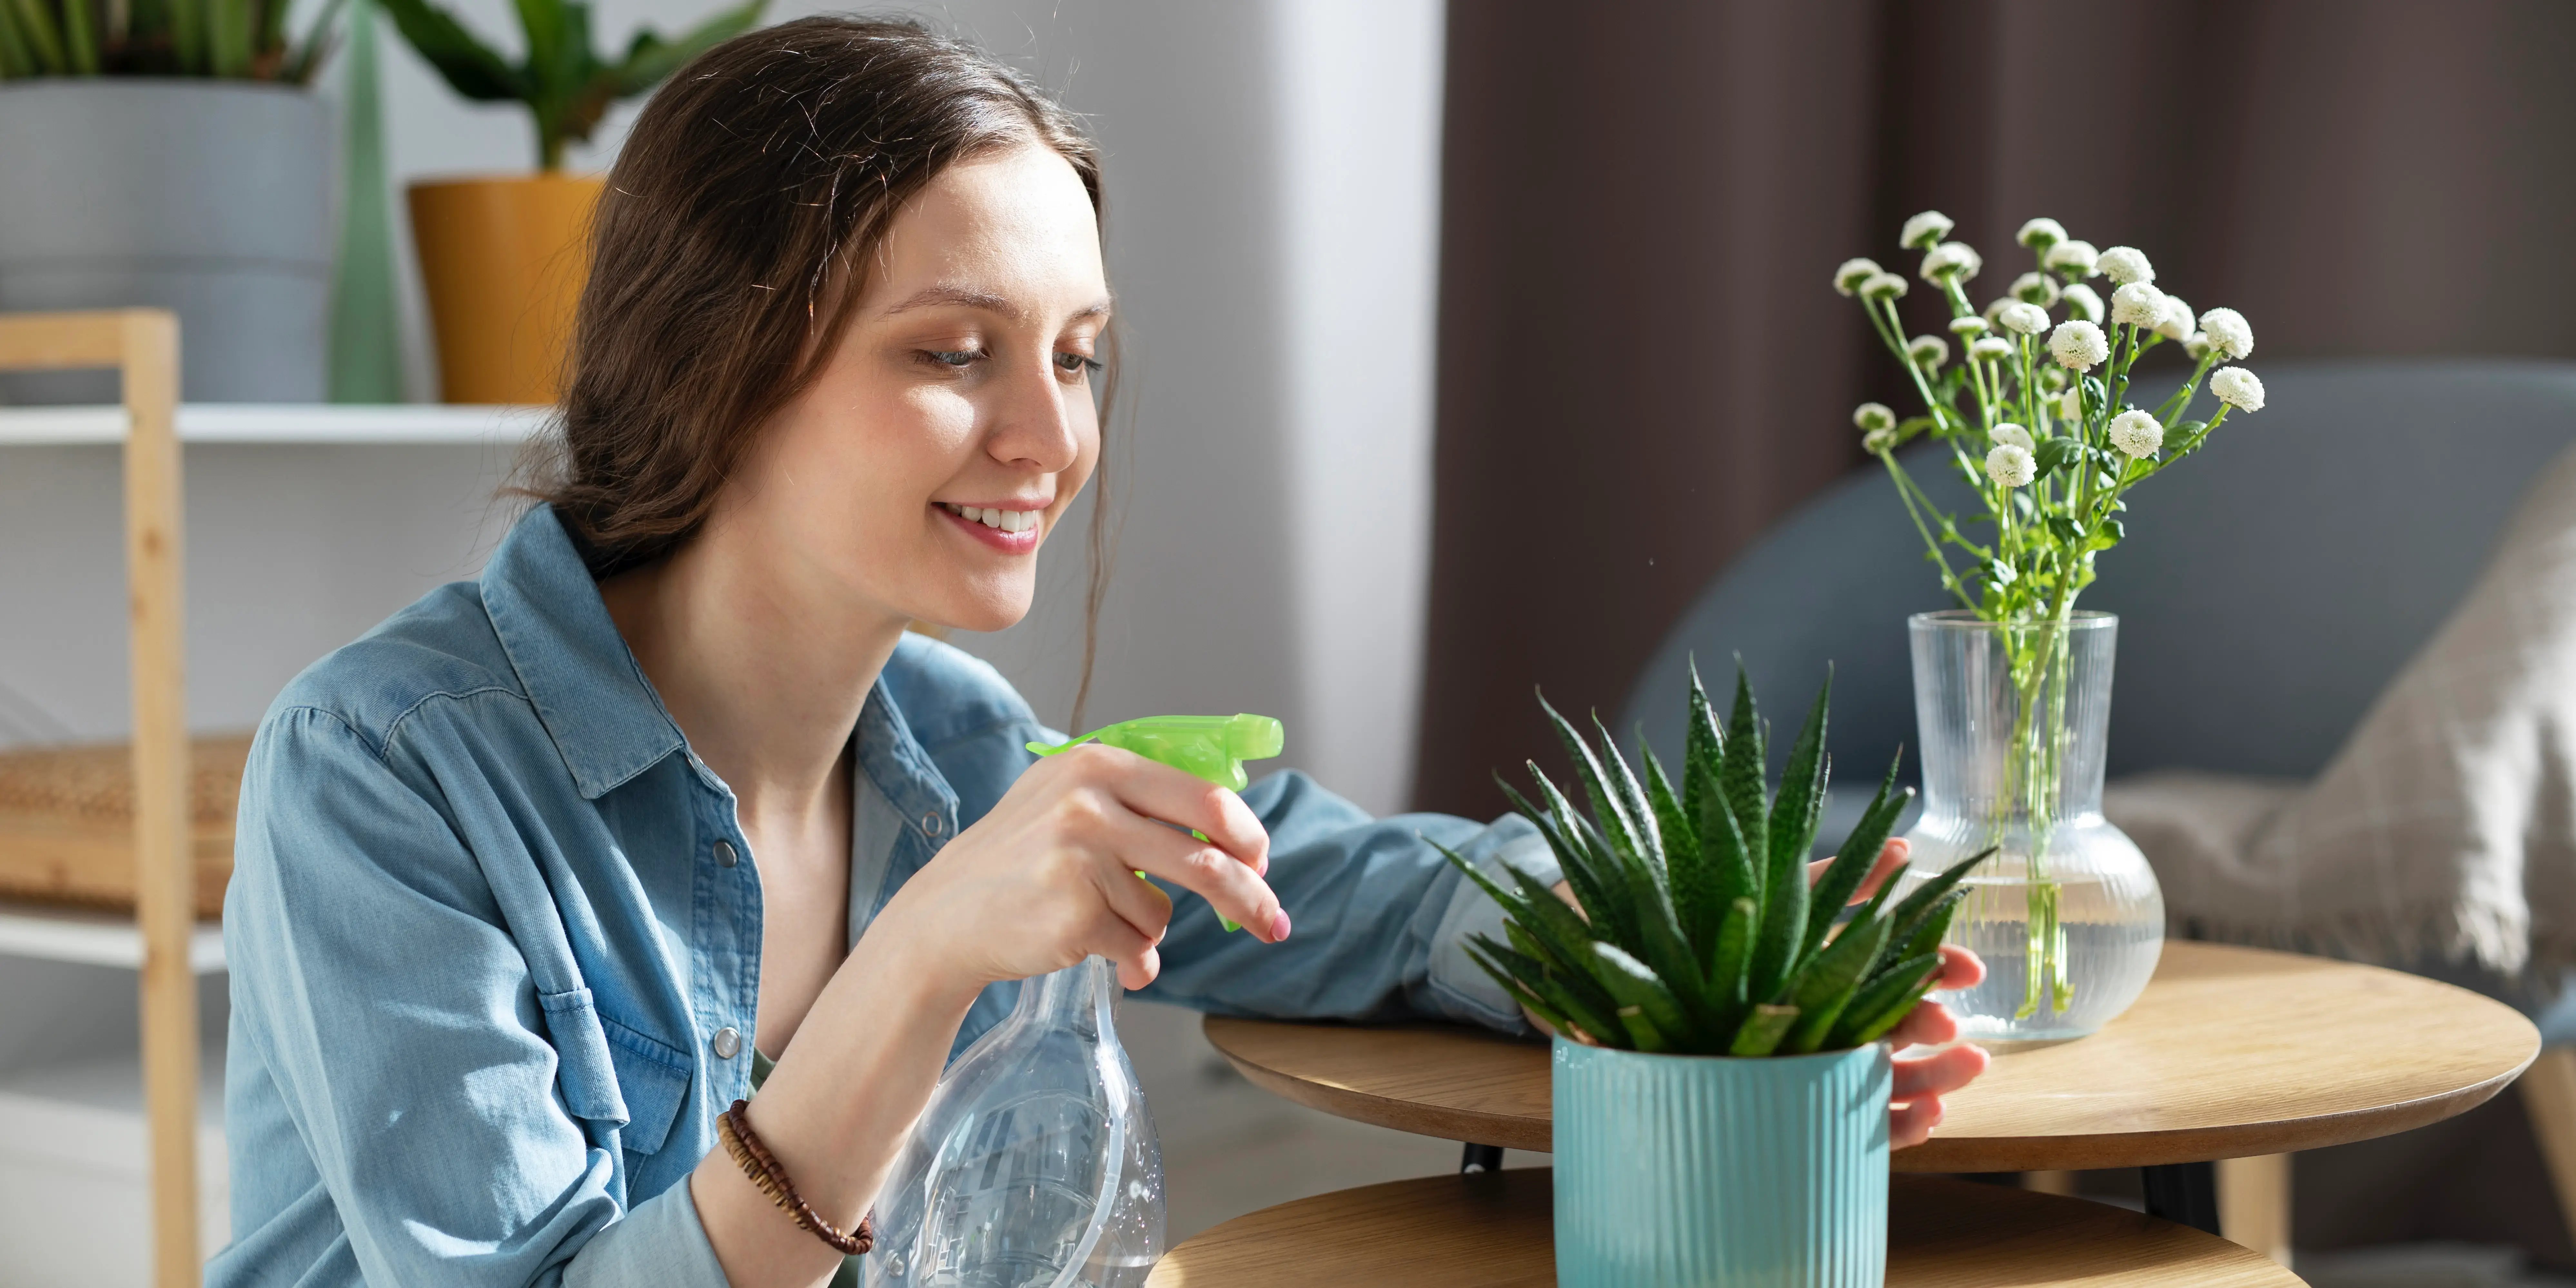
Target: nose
column 1036, row 425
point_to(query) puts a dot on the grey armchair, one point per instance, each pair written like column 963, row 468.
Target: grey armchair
column 2267, row 593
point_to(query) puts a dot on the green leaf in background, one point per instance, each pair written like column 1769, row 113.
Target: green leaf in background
column 226, row 39
column 366, row 339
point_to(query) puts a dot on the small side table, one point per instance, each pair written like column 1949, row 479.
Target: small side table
column 1495, row 1229
column 2230, row 1053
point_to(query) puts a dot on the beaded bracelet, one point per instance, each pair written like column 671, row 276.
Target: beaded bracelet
column 757, row 1163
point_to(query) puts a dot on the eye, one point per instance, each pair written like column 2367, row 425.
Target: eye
column 1072, row 363
column 954, row 358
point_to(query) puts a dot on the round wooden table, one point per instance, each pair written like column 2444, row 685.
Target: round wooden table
column 1495, row 1229
column 2230, row 1052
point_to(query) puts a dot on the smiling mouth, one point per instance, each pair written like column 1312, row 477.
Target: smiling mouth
column 1002, row 520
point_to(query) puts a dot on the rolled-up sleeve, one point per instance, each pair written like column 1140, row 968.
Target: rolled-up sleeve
column 424, row 1110
column 1379, row 920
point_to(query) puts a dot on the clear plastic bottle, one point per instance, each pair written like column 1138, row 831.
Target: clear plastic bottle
column 1035, row 1164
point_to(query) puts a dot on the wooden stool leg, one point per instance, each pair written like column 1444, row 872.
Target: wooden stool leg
column 2549, row 1096
column 2059, row 1183
column 2254, row 1204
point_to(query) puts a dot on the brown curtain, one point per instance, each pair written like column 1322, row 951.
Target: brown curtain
column 1643, row 366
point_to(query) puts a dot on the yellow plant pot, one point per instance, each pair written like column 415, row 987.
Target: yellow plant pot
column 503, row 261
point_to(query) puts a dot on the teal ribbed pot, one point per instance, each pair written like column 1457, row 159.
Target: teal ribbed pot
column 1704, row 1172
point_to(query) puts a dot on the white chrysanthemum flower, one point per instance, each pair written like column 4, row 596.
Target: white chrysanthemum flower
column 2034, row 288
column 2196, row 345
column 2070, row 405
column 2175, row 322
column 2229, row 333
column 1951, row 258
column 2137, row 433
column 2237, row 387
column 2053, row 379
column 2040, row 234
column 1928, row 351
column 1877, row 441
column 2137, row 304
column 2009, row 432
column 2078, row 345
column 1874, row 416
column 1848, row 278
column 2077, row 259
column 2126, row 264
column 1995, row 310
column 1991, row 348
column 2082, row 302
column 2028, row 319
column 1925, row 230
column 2012, row 465
column 1883, row 286
column 1969, row 328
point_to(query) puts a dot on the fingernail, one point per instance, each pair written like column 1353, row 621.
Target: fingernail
column 1279, row 926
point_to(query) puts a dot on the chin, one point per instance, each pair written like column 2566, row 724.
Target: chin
column 979, row 613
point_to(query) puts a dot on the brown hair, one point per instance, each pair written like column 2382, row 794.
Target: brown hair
column 724, row 254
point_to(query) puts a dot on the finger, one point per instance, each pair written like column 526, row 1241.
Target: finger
column 1203, row 869
column 1891, row 860
column 1960, row 968
column 1940, row 1073
column 1911, row 1123
column 1139, row 904
column 1159, row 791
column 1928, row 1024
column 1139, row 971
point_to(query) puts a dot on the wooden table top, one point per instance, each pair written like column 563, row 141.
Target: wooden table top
column 1497, row 1230
column 2230, row 1052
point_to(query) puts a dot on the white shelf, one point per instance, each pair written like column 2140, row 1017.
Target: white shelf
column 95, row 938
column 282, row 423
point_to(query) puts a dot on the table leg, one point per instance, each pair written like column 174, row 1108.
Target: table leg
column 2185, row 1193
column 1481, row 1158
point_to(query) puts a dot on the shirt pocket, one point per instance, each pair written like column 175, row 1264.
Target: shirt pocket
column 612, row 1076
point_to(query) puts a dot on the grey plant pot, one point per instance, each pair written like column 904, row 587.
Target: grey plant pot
column 209, row 198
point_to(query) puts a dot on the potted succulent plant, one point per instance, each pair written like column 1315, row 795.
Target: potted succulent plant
column 1720, row 1090
column 503, row 257
column 170, row 155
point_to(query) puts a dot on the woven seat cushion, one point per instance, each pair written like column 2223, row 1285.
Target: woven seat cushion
column 67, row 822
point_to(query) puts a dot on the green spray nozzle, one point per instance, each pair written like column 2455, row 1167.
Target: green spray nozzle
column 1211, row 747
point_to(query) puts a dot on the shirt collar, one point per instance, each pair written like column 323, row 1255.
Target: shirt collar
column 606, row 721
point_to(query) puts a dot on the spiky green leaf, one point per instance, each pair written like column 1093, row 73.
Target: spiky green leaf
column 1637, row 985
column 1857, row 857
column 1762, row 1030
column 1741, row 772
column 1694, row 889
column 1884, row 1002
column 1799, row 804
column 1825, row 986
column 1616, row 825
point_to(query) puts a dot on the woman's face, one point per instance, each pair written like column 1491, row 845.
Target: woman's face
column 952, row 424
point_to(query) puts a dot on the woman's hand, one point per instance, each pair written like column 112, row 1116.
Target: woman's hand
column 1049, row 876
column 1920, row 1081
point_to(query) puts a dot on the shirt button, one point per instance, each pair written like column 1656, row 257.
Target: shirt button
column 728, row 1043
column 930, row 824
column 725, row 858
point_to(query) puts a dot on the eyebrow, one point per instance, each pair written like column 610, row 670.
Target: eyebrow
column 968, row 297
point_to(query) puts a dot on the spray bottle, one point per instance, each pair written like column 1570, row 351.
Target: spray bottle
column 1035, row 1164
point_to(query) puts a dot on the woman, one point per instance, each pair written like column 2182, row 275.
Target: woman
column 531, row 878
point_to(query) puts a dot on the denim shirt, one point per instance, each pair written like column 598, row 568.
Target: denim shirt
column 495, row 934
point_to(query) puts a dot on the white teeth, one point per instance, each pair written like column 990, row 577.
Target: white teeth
column 1005, row 520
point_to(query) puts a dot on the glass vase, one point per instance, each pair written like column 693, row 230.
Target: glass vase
column 2014, row 720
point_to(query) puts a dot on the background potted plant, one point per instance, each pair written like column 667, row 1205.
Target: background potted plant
column 170, row 154
column 503, row 258
column 2013, row 687
column 1720, row 1091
